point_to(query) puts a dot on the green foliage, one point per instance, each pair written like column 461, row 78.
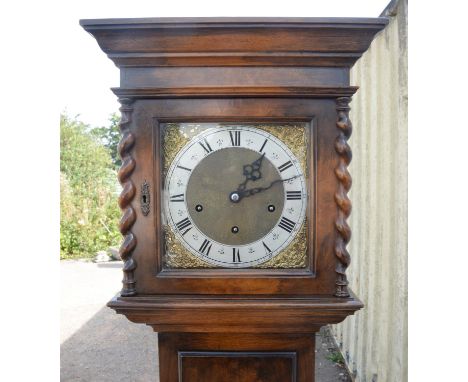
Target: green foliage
column 88, row 192
column 110, row 137
column 336, row 357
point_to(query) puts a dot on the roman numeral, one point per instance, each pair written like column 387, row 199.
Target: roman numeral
column 293, row 195
column 235, row 256
column 235, row 137
column 266, row 247
column 286, row 224
column 184, row 168
column 205, row 247
column 285, row 166
column 177, row 198
column 207, row 148
column 263, row 146
column 184, row 224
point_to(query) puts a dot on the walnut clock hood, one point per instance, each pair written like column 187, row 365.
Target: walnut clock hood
column 234, row 173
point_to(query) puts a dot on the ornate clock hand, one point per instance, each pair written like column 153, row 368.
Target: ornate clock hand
column 251, row 172
column 240, row 193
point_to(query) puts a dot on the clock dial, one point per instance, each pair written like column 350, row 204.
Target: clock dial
column 211, row 183
column 235, row 196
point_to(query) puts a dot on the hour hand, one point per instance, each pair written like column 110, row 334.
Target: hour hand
column 252, row 171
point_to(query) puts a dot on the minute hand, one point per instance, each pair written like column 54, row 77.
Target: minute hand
column 256, row 190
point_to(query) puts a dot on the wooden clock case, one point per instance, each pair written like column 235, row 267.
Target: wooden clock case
column 235, row 324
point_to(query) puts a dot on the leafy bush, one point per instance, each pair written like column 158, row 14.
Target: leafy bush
column 109, row 136
column 89, row 212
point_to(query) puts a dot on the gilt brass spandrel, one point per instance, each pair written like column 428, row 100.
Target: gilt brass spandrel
column 293, row 256
column 177, row 256
column 174, row 138
column 293, row 135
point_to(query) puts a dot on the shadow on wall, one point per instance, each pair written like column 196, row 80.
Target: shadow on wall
column 108, row 347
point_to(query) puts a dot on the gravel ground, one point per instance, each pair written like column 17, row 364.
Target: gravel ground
column 99, row 345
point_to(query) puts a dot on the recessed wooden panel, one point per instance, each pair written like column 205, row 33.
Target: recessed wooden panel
column 237, row 367
column 236, row 357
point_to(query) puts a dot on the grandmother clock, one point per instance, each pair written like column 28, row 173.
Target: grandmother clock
column 234, row 151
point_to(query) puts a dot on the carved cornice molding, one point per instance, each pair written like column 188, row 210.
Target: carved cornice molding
column 128, row 193
column 234, row 41
column 206, row 92
column 341, row 198
column 265, row 59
